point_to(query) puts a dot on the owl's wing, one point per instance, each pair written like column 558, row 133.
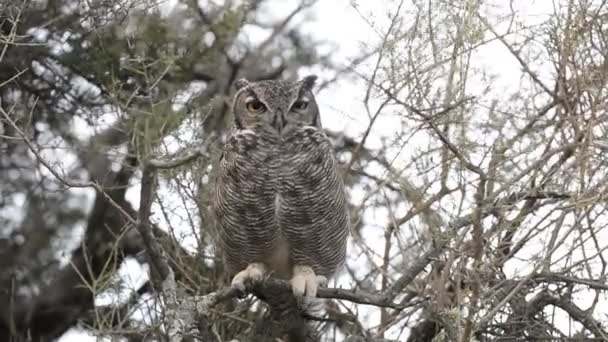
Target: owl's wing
column 244, row 201
column 313, row 206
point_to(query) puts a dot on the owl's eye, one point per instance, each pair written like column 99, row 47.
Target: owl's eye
column 300, row 105
column 255, row 106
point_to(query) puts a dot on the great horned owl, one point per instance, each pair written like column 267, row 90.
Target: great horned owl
column 280, row 204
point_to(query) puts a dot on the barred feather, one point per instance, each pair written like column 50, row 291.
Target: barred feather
column 272, row 193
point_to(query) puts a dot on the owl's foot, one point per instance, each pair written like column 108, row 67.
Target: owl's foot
column 253, row 273
column 306, row 282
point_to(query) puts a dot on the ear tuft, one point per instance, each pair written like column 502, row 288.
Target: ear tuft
column 240, row 83
column 309, row 81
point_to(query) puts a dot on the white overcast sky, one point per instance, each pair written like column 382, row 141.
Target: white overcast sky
column 337, row 21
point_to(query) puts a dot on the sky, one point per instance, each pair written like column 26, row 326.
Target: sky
column 351, row 29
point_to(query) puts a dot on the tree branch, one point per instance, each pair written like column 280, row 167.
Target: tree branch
column 205, row 303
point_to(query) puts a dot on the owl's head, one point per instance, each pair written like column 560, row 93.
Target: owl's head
column 276, row 105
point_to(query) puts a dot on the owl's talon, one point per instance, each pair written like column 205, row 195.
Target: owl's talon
column 253, row 273
column 322, row 281
column 305, row 282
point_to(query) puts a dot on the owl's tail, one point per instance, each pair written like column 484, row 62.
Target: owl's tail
column 292, row 319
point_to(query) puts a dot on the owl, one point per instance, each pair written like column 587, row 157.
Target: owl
column 280, row 205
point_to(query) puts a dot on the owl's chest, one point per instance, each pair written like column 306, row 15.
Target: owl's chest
column 266, row 160
column 267, row 171
column 279, row 257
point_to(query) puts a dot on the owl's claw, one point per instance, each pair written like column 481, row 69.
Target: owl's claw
column 322, row 281
column 253, row 273
column 306, row 282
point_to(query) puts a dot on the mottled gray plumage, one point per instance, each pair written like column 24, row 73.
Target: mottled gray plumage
column 279, row 197
column 279, row 202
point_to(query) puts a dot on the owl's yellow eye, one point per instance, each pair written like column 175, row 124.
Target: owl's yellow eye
column 300, row 105
column 255, row 106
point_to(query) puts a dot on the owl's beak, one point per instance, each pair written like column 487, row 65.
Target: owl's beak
column 279, row 122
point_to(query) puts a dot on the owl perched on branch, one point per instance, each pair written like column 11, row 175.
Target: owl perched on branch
column 280, row 205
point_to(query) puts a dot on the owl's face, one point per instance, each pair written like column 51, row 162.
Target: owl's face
column 277, row 105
